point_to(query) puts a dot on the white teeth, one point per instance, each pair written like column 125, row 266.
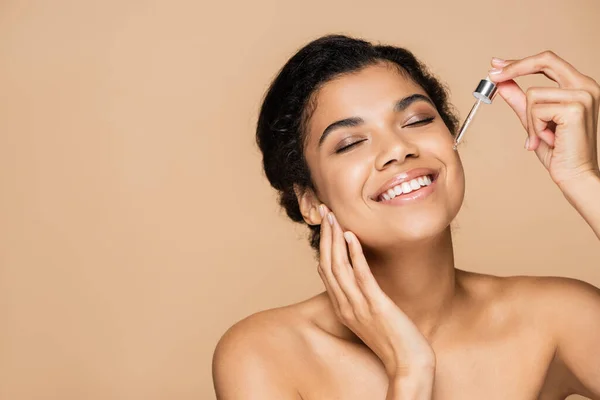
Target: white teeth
column 406, row 187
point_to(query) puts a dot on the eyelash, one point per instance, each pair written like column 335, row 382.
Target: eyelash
column 421, row 122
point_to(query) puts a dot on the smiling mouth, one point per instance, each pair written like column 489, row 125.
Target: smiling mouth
column 404, row 188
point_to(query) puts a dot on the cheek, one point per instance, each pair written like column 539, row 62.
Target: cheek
column 441, row 137
column 345, row 182
column 455, row 180
column 441, row 149
column 344, row 188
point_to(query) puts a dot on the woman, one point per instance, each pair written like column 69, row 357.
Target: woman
column 357, row 138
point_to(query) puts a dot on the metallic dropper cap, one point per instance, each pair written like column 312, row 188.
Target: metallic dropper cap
column 485, row 91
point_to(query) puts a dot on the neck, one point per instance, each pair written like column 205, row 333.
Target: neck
column 420, row 278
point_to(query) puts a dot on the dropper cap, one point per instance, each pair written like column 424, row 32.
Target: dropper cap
column 485, row 91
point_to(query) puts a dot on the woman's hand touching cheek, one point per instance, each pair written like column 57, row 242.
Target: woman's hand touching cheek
column 362, row 306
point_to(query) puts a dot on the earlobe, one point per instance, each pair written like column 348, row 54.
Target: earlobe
column 309, row 205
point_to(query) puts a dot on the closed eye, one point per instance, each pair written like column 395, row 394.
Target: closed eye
column 422, row 122
column 348, row 147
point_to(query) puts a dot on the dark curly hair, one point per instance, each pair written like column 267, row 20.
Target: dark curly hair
column 289, row 103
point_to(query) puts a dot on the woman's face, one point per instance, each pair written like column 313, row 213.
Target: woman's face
column 394, row 134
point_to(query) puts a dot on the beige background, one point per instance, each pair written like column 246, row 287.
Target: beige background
column 135, row 223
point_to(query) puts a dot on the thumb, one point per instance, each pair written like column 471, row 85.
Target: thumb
column 514, row 96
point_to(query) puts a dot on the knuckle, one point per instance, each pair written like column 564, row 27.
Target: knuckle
column 375, row 310
column 544, row 58
column 576, row 109
column 362, row 315
column 362, row 278
column 346, row 314
column 587, row 98
column 320, row 271
column 336, row 270
column 594, row 89
column 531, row 93
column 596, row 92
column 548, row 55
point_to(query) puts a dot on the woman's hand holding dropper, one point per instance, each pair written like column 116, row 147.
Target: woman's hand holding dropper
column 561, row 123
column 362, row 306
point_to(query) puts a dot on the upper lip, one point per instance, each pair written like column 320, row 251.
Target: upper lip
column 404, row 177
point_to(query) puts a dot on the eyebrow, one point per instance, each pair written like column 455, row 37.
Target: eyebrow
column 400, row 105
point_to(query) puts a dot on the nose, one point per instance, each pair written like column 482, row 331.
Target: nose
column 394, row 149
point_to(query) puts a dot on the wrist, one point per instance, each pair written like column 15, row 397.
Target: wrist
column 412, row 387
column 583, row 193
column 577, row 188
column 424, row 365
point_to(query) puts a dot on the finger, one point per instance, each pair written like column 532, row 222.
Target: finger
column 328, row 288
column 336, row 294
column 547, row 62
column 545, row 135
column 325, row 258
column 548, row 139
column 557, row 95
column 544, row 95
column 565, row 96
column 362, row 272
column 531, row 143
column 542, row 115
column 572, row 114
column 340, row 265
column 499, row 63
column 547, row 120
column 514, row 96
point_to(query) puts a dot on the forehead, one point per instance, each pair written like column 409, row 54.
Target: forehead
column 370, row 90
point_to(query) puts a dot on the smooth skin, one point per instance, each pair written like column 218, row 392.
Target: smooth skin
column 397, row 319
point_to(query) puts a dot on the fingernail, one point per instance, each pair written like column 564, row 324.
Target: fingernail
column 495, row 71
column 348, row 237
column 330, row 218
column 322, row 210
column 497, row 60
column 527, row 144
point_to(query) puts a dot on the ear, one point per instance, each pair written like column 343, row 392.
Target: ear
column 309, row 205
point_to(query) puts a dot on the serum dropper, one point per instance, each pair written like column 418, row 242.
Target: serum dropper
column 484, row 92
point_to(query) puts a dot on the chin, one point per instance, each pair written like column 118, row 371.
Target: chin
column 406, row 231
column 423, row 231
column 419, row 229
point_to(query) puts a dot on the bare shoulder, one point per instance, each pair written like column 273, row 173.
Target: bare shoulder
column 254, row 358
column 552, row 292
column 556, row 303
column 568, row 304
column 536, row 290
column 548, row 300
